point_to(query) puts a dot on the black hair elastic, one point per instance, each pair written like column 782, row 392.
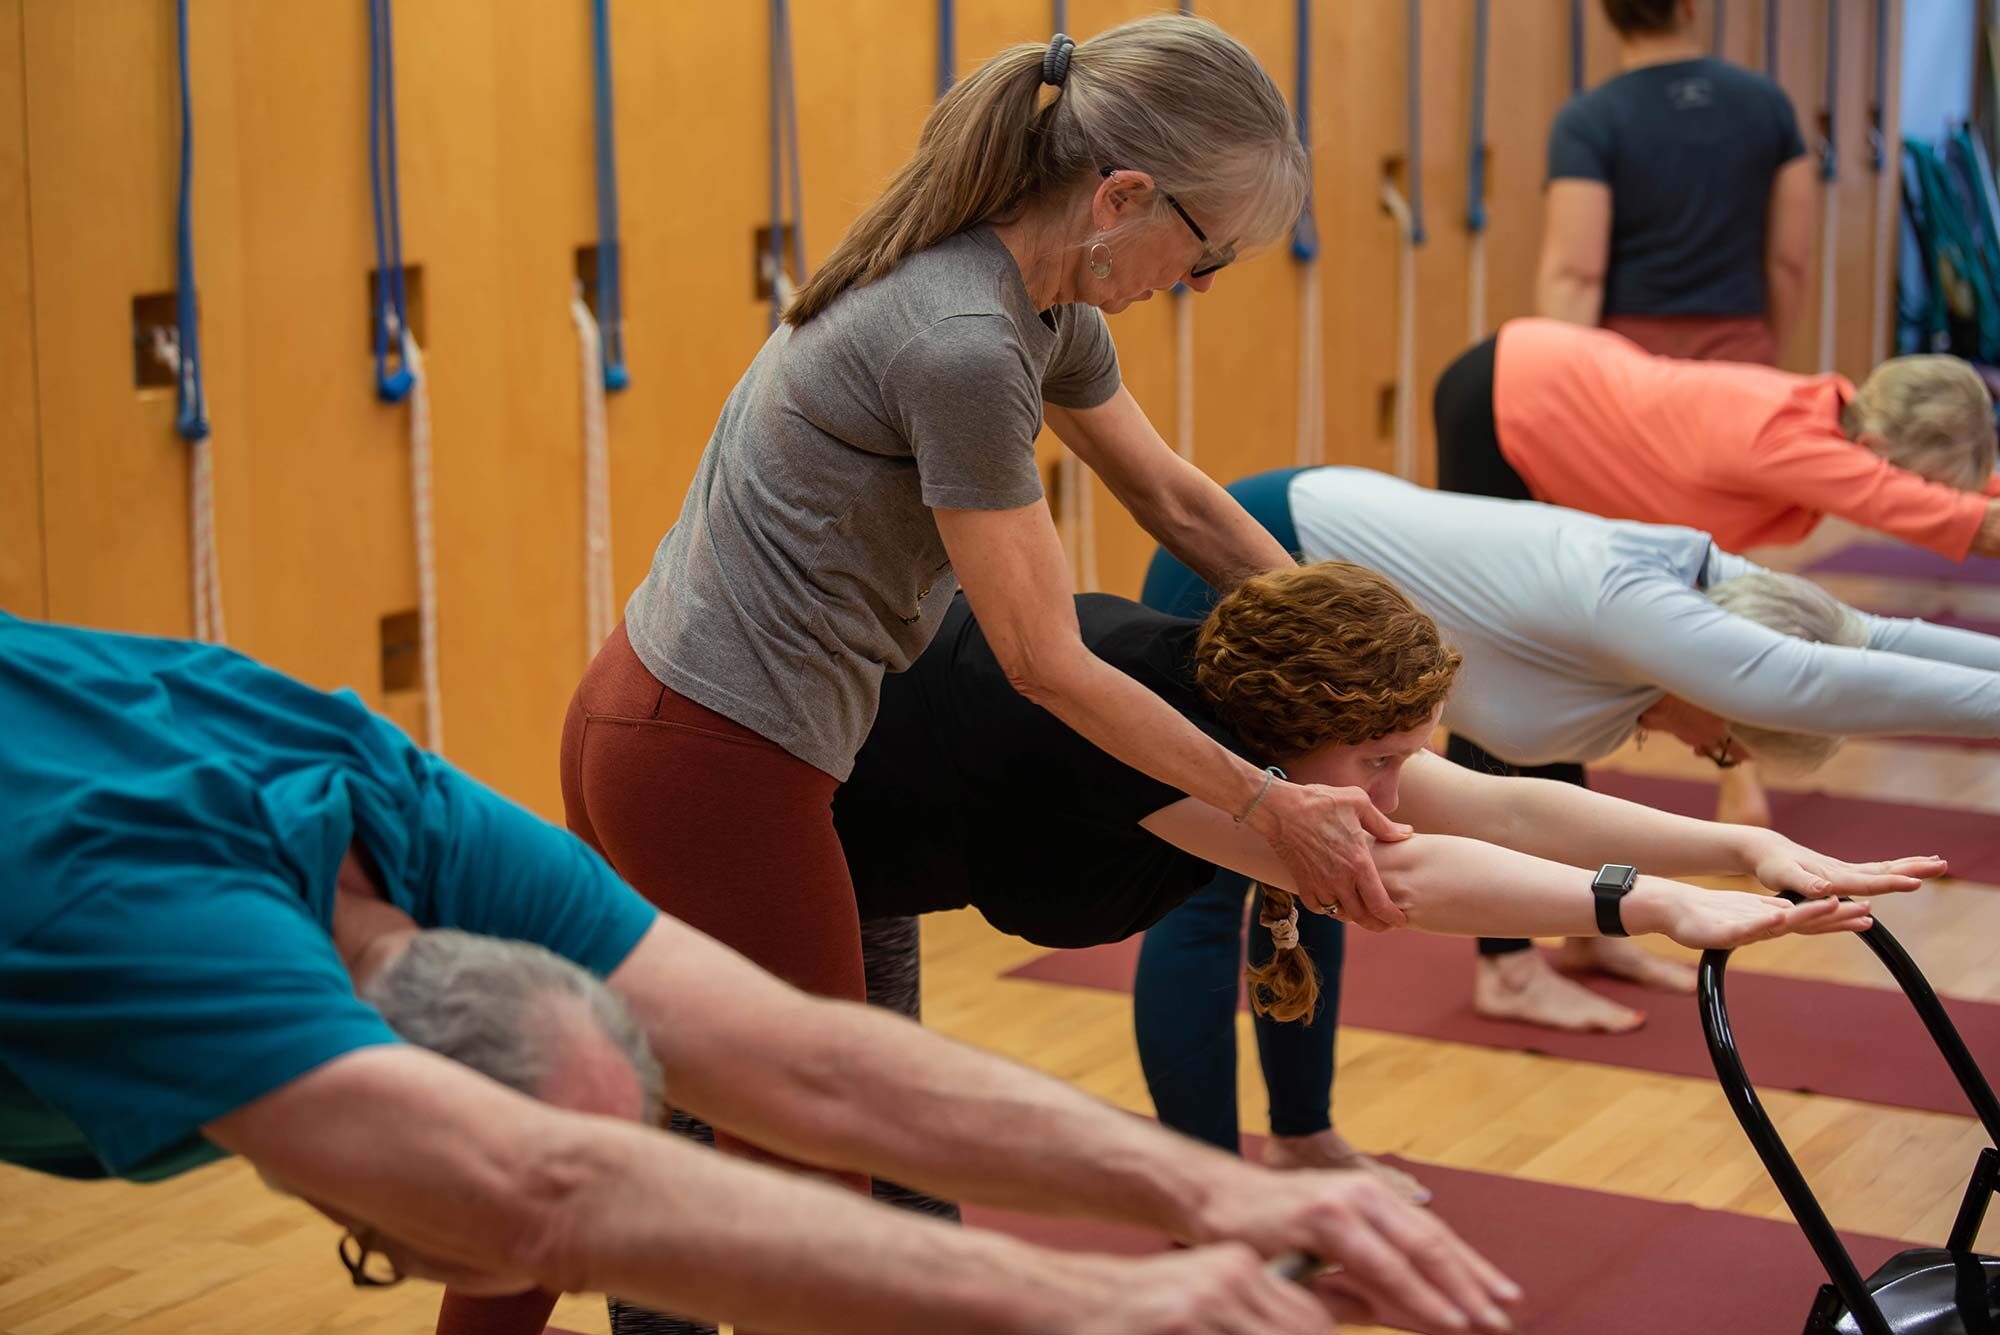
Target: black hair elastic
column 1055, row 64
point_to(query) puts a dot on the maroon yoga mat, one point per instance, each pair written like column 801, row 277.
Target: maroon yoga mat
column 1892, row 560
column 1592, row 1263
column 1858, row 829
column 1826, row 1038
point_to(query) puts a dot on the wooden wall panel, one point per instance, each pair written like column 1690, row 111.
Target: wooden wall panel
column 22, row 591
column 497, row 184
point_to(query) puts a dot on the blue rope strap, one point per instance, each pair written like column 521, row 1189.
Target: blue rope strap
column 1305, row 232
column 784, row 157
column 1475, row 171
column 190, row 403
column 1414, row 97
column 392, row 373
column 610, row 259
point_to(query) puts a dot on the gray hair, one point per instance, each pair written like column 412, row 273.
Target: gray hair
column 1931, row 415
column 1176, row 97
column 494, row 1006
column 1797, row 607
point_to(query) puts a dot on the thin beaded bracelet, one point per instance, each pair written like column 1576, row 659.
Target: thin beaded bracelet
column 1271, row 774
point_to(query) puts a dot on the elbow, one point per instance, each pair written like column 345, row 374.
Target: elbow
column 537, row 1228
column 1043, row 672
column 1404, row 867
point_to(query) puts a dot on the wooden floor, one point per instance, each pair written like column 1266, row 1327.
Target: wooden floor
column 217, row 1253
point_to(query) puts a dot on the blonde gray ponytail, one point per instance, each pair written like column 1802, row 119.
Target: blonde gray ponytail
column 1176, row 97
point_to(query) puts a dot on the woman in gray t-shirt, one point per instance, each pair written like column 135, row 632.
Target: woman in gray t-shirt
column 880, row 451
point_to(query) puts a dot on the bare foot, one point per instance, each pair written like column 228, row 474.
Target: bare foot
column 1619, row 957
column 1521, row 986
column 1329, row 1149
column 1741, row 799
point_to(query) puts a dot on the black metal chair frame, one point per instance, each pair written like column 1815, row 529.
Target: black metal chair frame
column 1848, row 1287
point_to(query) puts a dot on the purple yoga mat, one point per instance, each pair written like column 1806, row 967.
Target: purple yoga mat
column 1592, row 1263
column 1893, row 560
column 1825, row 1038
column 1858, row 829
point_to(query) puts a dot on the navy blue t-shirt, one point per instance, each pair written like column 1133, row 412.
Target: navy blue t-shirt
column 1689, row 150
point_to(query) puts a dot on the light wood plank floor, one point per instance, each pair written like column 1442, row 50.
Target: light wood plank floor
column 217, row 1253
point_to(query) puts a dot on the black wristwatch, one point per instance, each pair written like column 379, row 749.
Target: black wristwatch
column 1614, row 881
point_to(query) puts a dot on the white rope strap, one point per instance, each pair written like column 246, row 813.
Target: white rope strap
column 1077, row 522
column 1184, row 375
column 1888, row 205
column 597, row 600
column 1312, row 369
column 1406, row 332
column 426, row 539
column 1475, row 287
column 204, row 571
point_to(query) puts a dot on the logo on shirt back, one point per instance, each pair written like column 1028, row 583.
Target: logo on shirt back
column 1691, row 94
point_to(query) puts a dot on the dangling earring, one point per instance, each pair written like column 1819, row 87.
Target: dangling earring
column 1100, row 260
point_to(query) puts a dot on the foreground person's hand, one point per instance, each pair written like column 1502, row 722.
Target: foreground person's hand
column 1219, row 1290
column 1395, row 1260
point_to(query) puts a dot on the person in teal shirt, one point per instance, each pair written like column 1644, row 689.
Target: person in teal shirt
column 176, row 817
column 201, row 862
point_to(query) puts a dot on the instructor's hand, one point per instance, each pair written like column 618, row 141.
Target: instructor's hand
column 1326, row 839
column 1397, row 1263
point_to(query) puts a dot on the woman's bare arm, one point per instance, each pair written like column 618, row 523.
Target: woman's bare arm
column 1178, row 504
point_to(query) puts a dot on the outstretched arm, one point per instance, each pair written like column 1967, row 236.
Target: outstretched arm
column 1568, row 824
column 462, row 1178
column 1465, row 887
column 853, row 1087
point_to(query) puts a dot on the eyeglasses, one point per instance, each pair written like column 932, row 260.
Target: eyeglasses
column 367, row 1267
column 1720, row 755
column 1210, row 260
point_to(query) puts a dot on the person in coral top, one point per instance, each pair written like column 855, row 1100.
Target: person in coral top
column 1585, row 418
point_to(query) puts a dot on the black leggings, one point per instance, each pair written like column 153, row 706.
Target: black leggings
column 1468, row 441
column 1462, row 751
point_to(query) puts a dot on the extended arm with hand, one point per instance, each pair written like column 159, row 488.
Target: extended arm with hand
column 480, row 1181
column 1011, row 565
column 850, row 1087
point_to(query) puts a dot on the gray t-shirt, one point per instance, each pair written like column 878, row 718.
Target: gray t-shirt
column 1572, row 626
column 806, row 562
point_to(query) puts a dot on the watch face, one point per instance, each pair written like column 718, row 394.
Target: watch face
column 1615, row 876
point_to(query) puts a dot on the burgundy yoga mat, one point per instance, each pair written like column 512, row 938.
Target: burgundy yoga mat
column 1794, row 1034
column 1858, row 829
column 1893, row 560
column 1592, row 1263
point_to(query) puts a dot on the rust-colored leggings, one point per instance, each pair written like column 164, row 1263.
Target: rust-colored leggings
column 726, row 831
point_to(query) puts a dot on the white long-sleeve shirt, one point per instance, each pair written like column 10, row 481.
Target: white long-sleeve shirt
column 1572, row 626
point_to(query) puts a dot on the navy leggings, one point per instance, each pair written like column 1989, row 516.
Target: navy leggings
column 1184, row 998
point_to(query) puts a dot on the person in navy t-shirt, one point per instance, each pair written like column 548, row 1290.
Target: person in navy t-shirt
column 1680, row 196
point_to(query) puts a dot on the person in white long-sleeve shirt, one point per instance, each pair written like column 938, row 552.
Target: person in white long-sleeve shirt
column 1580, row 632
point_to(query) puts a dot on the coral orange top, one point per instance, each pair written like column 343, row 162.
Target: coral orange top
column 1753, row 455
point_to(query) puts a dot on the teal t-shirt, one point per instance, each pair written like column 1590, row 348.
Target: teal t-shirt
column 175, row 817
